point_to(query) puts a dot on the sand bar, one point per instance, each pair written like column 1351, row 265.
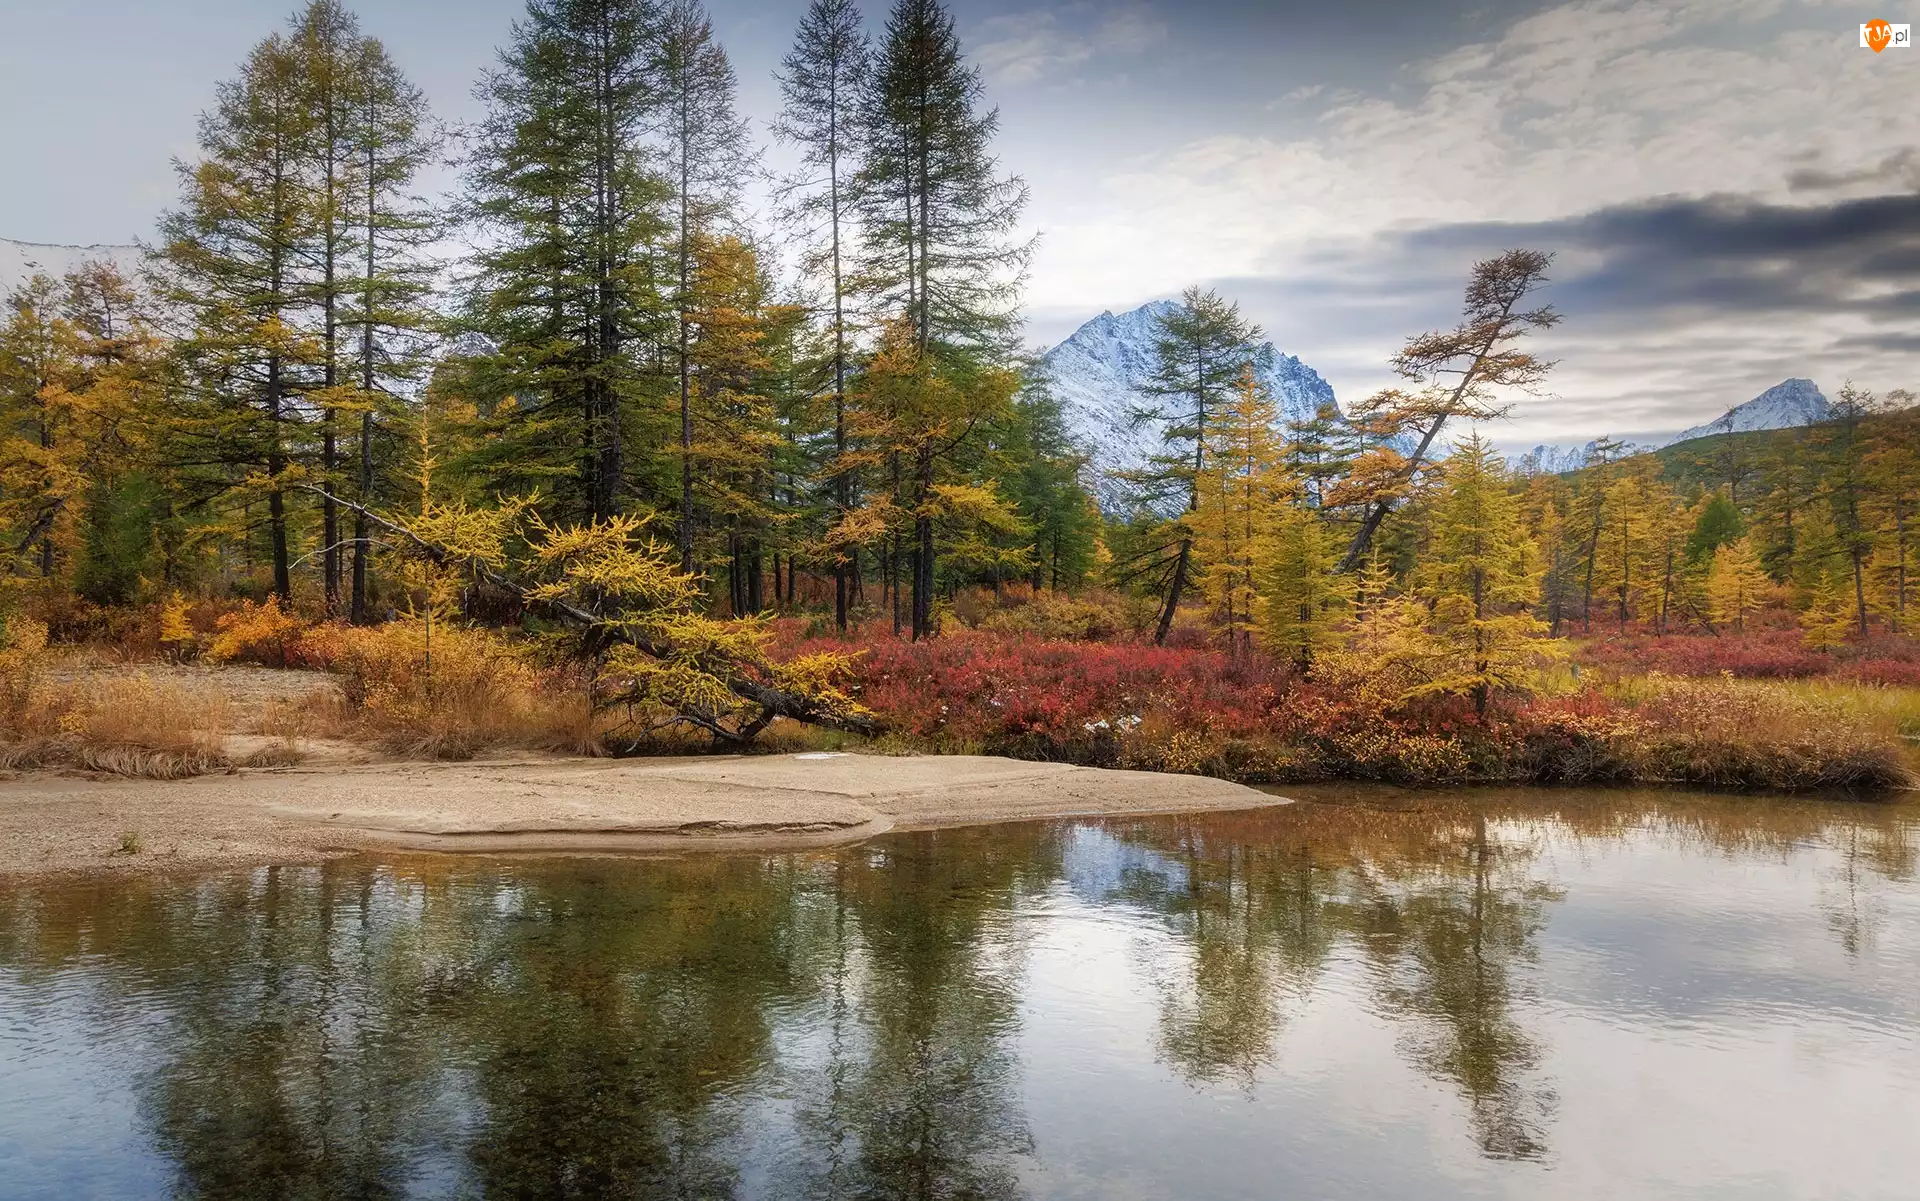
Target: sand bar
column 717, row 803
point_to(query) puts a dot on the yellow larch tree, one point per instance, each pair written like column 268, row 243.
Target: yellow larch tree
column 1736, row 583
column 1482, row 582
column 1241, row 489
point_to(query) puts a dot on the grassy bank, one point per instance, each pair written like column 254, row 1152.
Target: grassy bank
column 457, row 692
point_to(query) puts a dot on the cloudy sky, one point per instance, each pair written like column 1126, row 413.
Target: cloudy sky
column 1732, row 188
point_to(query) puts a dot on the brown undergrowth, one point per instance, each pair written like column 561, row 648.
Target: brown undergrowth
column 121, row 725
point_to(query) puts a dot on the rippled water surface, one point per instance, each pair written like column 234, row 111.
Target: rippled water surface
column 1562, row 995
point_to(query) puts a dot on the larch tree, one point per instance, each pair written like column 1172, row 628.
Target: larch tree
column 1317, row 452
column 1786, row 485
column 1546, row 505
column 1828, row 617
column 1480, row 580
column 909, row 409
column 111, row 365
column 1303, row 596
column 707, row 158
column 1629, row 560
column 326, row 40
column 822, row 80
column 1202, row 348
column 735, row 429
column 562, row 188
column 1893, row 469
column 36, row 483
column 394, row 139
column 1238, row 489
column 938, row 242
column 1590, row 510
column 1462, row 371
column 1736, row 583
column 939, row 221
column 1042, row 477
column 232, row 270
column 1841, row 444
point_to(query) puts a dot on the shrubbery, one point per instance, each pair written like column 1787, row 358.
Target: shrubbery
column 1256, row 720
column 128, row 725
column 451, row 695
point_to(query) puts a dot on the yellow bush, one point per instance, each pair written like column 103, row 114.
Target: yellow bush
column 23, row 654
column 263, row 633
column 453, row 694
column 1041, row 613
column 1761, row 734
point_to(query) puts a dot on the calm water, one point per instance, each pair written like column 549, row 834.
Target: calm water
column 1571, row 996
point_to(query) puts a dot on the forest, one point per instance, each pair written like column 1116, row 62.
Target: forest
column 633, row 443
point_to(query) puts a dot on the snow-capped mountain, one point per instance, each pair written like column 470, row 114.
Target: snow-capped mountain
column 1097, row 373
column 21, row 261
column 1553, row 458
column 1783, row 406
column 1787, row 404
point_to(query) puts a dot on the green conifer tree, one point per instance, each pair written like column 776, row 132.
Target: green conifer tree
column 938, row 220
column 234, row 267
column 1202, row 348
column 567, row 286
column 706, row 162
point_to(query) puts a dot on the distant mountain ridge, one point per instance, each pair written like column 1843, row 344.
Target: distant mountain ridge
column 21, row 261
column 1788, row 404
column 1097, row 375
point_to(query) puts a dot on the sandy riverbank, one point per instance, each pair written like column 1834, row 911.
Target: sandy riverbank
column 61, row 824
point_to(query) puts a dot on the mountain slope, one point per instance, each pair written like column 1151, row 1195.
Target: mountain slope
column 1097, row 374
column 1790, row 403
column 1785, row 405
column 21, row 261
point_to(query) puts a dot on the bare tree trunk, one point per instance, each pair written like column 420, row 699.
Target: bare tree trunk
column 1176, row 584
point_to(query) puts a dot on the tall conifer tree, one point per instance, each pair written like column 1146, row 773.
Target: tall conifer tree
column 1202, row 348
column 707, row 159
column 562, row 185
column 821, row 82
column 394, row 139
column 233, row 261
column 939, row 221
column 1481, row 580
column 326, row 39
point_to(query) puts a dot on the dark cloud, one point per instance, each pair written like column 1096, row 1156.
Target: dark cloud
column 1674, row 308
column 1900, row 167
column 1727, row 254
column 1890, row 342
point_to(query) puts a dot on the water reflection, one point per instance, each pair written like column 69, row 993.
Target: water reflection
column 884, row 1021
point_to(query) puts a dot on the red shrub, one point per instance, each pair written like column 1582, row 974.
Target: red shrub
column 1057, row 699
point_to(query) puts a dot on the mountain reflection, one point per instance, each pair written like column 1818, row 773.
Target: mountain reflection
column 842, row 1024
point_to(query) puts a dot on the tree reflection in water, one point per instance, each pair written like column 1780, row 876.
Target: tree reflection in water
column 841, row 1024
column 931, row 1104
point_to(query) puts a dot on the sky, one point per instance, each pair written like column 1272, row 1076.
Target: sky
column 1731, row 189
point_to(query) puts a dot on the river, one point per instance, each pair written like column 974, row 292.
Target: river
column 1370, row 994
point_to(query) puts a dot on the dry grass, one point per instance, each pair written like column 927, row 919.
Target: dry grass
column 127, row 726
column 450, row 696
column 1770, row 734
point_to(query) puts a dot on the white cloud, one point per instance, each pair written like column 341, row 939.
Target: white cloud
column 1047, row 44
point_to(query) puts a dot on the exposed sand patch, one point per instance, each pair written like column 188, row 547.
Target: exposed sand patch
column 651, row 805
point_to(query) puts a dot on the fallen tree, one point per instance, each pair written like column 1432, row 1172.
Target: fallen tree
column 636, row 616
